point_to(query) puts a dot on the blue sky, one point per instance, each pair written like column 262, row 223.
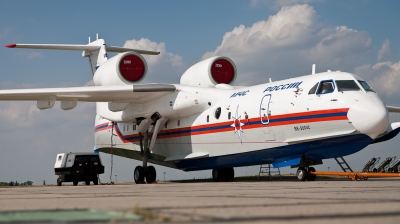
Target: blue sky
column 357, row 36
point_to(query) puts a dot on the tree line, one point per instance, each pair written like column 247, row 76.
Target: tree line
column 12, row 183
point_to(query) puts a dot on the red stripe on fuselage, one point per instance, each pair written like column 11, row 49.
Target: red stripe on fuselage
column 193, row 130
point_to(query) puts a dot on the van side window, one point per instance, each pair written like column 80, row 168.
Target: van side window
column 313, row 89
column 325, row 87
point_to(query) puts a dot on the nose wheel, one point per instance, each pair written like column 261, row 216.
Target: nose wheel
column 304, row 173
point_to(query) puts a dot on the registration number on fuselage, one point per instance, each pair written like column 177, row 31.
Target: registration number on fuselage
column 302, row 128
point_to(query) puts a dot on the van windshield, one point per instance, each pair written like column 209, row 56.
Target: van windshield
column 347, row 85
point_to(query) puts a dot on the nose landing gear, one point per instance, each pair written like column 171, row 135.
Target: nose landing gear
column 306, row 173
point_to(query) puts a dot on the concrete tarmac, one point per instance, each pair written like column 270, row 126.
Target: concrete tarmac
column 321, row 201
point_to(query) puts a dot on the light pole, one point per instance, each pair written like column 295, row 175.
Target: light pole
column 115, row 178
column 164, row 176
column 328, row 168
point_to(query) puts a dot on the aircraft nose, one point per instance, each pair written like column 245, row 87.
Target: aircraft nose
column 369, row 116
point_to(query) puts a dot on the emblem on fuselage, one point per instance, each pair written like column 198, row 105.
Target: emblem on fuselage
column 237, row 124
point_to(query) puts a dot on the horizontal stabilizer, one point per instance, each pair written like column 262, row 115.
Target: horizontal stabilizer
column 79, row 47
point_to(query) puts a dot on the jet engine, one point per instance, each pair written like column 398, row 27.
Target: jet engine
column 126, row 68
column 210, row 72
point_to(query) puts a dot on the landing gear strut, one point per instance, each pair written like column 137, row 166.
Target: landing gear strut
column 226, row 174
column 305, row 173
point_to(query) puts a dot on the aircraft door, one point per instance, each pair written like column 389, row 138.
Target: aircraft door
column 111, row 133
column 264, row 109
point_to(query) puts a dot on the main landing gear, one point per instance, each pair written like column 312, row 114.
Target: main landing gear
column 226, row 174
column 147, row 172
column 305, row 173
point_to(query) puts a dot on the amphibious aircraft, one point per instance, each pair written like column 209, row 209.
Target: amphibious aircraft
column 206, row 122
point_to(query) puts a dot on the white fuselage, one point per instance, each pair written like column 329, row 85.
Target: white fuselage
column 271, row 120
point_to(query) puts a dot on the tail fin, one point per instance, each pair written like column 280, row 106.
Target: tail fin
column 98, row 56
column 96, row 51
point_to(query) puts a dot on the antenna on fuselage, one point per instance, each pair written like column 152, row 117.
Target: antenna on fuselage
column 313, row 69
column 270, row 80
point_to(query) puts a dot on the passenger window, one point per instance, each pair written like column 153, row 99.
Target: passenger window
column 166, row 125
column 208, row 118
column 229, row 115
column 325, row 87
column 312, row 90
column 217, row 112
column 179, row 123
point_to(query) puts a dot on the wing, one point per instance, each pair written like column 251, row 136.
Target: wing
column 393, row 109
column 128, row 93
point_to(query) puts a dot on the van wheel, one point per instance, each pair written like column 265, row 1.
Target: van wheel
column 96, row 181
column 59, row 182
column 87, row 182
column 75, row 182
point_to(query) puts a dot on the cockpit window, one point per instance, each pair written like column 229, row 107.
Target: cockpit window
column 365, row 85
column 325, row 87
column 312, row 90
column 347, row 85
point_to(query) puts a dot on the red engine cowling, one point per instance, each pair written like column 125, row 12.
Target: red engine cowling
column 122, row 69
column 210, row 72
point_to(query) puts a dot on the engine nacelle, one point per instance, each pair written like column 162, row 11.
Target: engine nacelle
column 122, row 69
column 210, row 72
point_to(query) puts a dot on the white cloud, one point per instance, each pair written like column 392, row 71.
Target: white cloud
column 288, row 43
column 384, row 49
column 277, row 4
column 384, row 77
column 163, row 68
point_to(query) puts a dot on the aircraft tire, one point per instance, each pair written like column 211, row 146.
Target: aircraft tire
column 230, row 174
column 301, row 174
column 215, row 174
column 311, row 177
column 219, row 174
column 151, row 174
column 138, row 175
